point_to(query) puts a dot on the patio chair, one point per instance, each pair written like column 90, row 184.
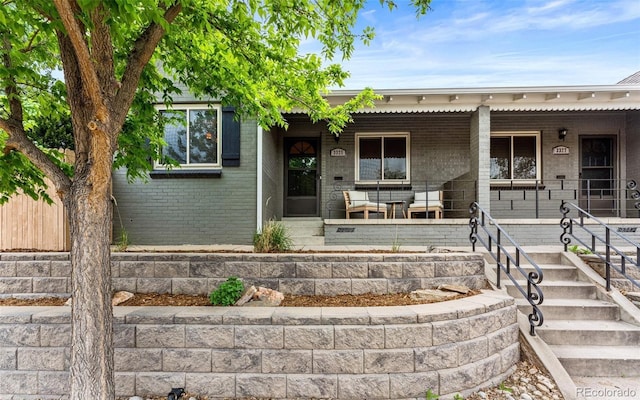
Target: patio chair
column 356, row 201
column 425, row 202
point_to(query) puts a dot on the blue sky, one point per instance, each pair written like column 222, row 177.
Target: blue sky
column 487, row 43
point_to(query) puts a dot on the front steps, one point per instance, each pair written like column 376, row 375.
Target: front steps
column 305, row 231
column 583, row 327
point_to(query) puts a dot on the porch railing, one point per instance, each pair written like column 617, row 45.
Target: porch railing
column 604, row 197
column 482, row 223
column 509, row 199
column 571, row 223
column 455, row 198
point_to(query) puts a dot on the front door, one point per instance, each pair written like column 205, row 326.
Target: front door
column 301, row 178
column 598, row 187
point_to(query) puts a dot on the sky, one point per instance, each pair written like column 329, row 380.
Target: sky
column 497, row 43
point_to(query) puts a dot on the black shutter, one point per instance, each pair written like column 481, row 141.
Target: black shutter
column 230, row 138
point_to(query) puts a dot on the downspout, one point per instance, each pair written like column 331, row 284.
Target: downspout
column 259, row 180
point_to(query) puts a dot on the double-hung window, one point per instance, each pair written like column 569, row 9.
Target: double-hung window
column 382, row 157
column 193, row 135
column 515, row 156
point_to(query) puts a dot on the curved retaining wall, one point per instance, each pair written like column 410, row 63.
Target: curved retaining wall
column 278, row 352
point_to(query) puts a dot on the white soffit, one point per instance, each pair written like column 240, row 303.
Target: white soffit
column 564, row 98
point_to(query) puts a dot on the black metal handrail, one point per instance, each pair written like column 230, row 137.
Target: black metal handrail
column 509, row 199
column 568, row 223
column 533, row 293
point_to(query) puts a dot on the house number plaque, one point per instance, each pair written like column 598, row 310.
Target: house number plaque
column 560, row 150
column 338, row 152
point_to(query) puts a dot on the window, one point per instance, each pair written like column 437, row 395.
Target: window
column 515, row 156
column 193, row 136
column 382, row 157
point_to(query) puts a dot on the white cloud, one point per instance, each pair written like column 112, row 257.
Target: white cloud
column 492, row 43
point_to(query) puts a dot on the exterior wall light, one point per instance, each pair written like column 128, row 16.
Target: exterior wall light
column 562, row 133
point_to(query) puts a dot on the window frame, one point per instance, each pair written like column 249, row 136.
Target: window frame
column 383, row 135
column 512, row 134
column 187, row 107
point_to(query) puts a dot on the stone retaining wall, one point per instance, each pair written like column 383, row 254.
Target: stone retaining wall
column 275, row 352
column 42, row 274
column 267, row 352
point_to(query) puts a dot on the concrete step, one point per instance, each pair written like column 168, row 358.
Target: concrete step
column 612, row 361
column 302, row 241
column 573, row 309
column 305, row 227
column 555, row 272
column 556, row 289
column 305, row 231
column 591, row 333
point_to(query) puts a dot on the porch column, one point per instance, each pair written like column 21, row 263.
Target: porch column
column 480, row 144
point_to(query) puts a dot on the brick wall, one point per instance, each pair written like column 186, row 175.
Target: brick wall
column 192, row 211
column 455, row 233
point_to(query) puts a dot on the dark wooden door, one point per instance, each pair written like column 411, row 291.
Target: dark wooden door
column 301, row 177
column 598, row 184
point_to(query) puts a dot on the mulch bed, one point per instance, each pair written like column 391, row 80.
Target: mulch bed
column 156, row 299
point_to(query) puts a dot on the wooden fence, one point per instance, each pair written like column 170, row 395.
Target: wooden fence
column 27, row 224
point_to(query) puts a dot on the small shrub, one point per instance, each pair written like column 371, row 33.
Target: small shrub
column 579, row 250
column 227, row 293
column 273, row 238
column 431, row 396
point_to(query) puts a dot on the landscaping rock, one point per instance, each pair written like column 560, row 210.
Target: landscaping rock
column 269, row 297
column 455, row 288
column 246, row 296
column 433, row 295
column 121, row 297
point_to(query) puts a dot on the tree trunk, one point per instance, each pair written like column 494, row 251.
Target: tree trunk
column 92, row 318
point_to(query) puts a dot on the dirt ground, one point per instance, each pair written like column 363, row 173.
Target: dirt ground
column 156, row 299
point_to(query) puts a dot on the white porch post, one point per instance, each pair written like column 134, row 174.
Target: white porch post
column 259, row 156
column 480, row 142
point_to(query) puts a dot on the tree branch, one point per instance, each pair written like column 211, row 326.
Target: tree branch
column 83, row 56
column 102, row 52
column 139, row 57
column 18, row 141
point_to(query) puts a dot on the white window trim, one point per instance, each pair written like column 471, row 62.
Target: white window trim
column 360, row 135
column 512, row 134
column 196, row 106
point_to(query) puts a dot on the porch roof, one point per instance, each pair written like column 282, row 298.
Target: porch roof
column 534, row 98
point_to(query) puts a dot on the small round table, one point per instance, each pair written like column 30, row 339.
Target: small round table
column 393, row 204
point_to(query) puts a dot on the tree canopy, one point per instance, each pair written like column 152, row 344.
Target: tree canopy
column 119, row 58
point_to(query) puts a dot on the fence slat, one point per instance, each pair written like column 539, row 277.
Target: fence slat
column 26, row 224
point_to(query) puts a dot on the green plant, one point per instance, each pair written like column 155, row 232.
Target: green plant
column 458, row 397
column 579, row 250
column 123, row 240
column 431, row 396
column 395, row 246
column 273, row 238
column 227, row 292
column 504, row 388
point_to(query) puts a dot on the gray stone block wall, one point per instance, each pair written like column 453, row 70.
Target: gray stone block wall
column 453, row 347
column 28, row 274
